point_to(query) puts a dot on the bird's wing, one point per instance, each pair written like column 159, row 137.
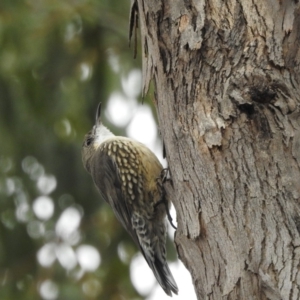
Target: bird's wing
column 123, row 191
column 107, row 178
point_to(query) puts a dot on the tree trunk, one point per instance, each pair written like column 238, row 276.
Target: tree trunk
column 226, row 76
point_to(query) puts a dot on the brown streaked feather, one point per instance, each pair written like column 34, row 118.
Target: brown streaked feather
column 126, row 173
column 109, row 184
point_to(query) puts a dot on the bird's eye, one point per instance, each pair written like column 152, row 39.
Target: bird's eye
column 88, row 141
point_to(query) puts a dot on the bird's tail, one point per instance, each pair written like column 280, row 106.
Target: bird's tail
column 153, row 249
column 161, row 272
column 164, row 276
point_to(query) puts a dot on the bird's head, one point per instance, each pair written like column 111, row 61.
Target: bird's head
column 94, row 138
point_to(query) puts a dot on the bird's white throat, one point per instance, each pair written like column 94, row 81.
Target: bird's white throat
column 101, row 134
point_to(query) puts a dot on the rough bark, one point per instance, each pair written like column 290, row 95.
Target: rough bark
column 226, row 75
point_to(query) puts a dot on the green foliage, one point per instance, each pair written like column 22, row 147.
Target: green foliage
column 55, row 66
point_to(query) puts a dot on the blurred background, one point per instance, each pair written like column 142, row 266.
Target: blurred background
column 58, row 239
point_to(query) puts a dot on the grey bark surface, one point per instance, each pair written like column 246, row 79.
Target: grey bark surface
column 226, row 77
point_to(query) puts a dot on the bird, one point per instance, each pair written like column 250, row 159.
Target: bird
column 128, row 176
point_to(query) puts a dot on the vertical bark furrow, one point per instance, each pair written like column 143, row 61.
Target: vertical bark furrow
column 227, row 82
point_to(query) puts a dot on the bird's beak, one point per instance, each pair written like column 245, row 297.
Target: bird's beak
column 98, row 115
